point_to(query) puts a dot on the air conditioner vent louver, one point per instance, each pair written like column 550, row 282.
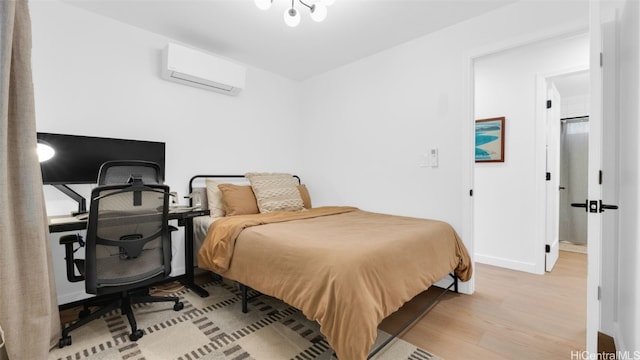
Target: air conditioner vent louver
column 195, row 68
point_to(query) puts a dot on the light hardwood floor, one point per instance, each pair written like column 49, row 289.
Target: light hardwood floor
column 511, row 315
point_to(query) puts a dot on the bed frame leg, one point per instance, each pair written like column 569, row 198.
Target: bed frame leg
column 243, row 289
column 455, row 282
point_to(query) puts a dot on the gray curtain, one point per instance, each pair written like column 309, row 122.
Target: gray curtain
column 574, row 140
column 28, row 308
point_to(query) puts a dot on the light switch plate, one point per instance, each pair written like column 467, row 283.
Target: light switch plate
column 433, row 157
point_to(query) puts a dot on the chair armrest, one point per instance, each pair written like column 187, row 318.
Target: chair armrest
column 68, row 241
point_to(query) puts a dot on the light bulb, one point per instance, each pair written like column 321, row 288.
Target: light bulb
column 292, row 17
column 45, row 152
column 327, row 2
column 263, row 4
column 318, row 12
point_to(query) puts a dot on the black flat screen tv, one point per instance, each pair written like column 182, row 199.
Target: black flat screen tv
column 77, row 158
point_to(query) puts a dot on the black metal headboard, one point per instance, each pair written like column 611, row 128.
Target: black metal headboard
column 220, row 177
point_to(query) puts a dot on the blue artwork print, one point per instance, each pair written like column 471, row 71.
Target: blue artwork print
column 489, row 139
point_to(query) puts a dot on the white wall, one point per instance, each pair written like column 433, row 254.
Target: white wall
column 575, row 106
column 367, row 124
column 628, row 337
column 99, row 77
column 507, row 229
column 357, row 137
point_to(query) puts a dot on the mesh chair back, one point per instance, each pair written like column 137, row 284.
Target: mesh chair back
column 128, row 242
column 121, row 171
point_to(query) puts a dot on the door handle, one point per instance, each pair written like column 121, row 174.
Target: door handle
column 604, row 207
column 562, row 188
column 588, row 206
column 582, row 205
column 594, row 206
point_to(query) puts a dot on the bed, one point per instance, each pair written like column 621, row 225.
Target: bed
column 341, row 266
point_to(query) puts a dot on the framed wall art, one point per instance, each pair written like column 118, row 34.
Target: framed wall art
column 490, row 140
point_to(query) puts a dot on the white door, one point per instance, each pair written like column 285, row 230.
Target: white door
column 594, row 225
column 552, row 243
column 610, row 190
column 603, row 105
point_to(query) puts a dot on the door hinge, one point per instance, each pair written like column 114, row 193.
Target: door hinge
column 599, row 292
column 547, row 249
column 548, row 104
column 601, row 62
column 548, row 176
column 600, row 177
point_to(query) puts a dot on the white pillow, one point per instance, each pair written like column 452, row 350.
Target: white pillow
column 214, row 198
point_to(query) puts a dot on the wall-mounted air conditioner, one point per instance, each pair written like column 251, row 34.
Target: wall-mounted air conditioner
column 196, row 68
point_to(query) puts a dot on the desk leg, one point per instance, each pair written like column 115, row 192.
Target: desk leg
column 188, row 280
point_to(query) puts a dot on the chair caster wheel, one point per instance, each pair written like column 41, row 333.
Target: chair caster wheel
column 178, row 306
column 84, row 313
column 64, row 341
column 134, row 336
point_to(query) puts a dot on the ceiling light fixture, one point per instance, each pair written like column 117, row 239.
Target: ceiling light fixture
column 292, row 16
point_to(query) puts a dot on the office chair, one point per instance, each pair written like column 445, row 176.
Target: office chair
column 121, row 171
column 128, row 248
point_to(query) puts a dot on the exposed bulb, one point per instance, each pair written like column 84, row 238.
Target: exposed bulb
column 318, row 12
column 45, row 152
column 292, row 17
column 263, row 4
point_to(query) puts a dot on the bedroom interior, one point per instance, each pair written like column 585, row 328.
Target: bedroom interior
column 358, row 131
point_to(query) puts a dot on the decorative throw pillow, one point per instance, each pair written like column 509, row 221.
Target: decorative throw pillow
column 214, row 198
column 238, row 199
column 304, row 194
column 275, row 192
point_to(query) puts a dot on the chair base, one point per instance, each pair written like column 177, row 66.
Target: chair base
column 124, row 302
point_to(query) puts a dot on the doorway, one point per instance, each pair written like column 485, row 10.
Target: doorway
column 574, row 150
column 573, row 89
column 509, row 207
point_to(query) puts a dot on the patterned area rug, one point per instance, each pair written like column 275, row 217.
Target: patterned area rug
column 215, row 328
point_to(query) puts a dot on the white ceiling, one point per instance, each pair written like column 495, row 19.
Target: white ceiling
column 237, row 29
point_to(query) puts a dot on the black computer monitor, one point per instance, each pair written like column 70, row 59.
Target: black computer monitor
column 77, row 158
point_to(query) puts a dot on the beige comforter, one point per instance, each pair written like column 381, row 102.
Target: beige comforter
column 345, row 268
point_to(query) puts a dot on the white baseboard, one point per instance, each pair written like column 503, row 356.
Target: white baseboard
column 506, row 263
column 70, row 297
